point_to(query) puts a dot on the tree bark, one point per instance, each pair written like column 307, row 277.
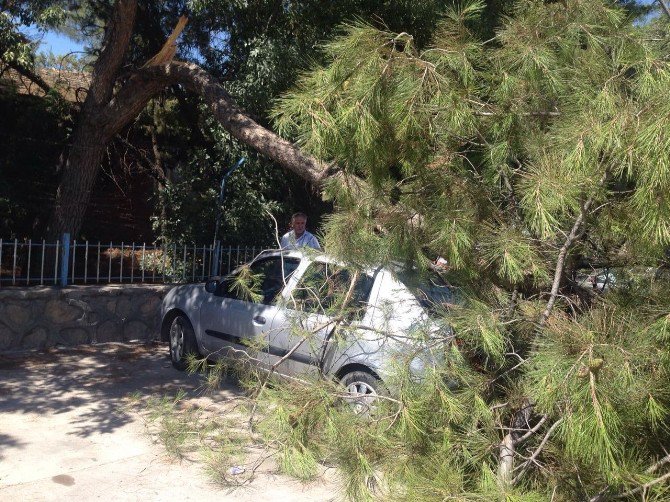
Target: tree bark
column 78, row 179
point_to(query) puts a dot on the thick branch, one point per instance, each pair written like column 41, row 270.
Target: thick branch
column 665, row 7
column 243, row 128
column 114, row 45
column 537, row 451
column 147, row 81
column 130, row 100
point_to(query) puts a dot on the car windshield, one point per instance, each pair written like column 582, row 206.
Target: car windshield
column 430, row 290
column 261, row 280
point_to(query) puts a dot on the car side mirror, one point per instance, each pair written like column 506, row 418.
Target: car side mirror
column 212, row 284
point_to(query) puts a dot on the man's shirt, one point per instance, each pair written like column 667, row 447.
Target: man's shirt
column 289, row 241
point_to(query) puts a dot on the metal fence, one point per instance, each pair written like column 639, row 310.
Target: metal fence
column 63, row 262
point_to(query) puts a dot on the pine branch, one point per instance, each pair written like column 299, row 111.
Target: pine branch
column 531, row 431
column 523, row 467
column 658, row 464
column 600, row 497
column 644, row 487
column 508, row 444
column 562, row 254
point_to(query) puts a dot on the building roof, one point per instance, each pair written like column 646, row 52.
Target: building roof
column 71, row 85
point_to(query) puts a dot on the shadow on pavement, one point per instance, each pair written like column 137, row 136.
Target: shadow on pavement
column 93, row 380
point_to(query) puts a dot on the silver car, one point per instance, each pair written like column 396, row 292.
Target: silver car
column 311, row 314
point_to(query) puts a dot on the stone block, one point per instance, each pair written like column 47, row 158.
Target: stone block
column 109, row 331
column 37, row 338
column 125, row 307
column 110, row 305
column 37, row 308
column 149, row 305
column 58, row 311
column 135, row 330
column 8, row 338
column 18, row 314
column 73, row 336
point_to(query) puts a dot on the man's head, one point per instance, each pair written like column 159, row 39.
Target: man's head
column 298, row 223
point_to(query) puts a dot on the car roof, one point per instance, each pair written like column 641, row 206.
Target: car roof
column 310, row 254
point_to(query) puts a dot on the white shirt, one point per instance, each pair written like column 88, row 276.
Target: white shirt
column 288, row 241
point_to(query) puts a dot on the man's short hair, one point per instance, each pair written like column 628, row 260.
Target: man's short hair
column 298, row 215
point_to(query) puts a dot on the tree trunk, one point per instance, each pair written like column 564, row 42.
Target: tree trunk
column 77, row 181
column 89, row 140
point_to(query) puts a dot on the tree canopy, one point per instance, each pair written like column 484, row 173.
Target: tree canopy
column 525, row 160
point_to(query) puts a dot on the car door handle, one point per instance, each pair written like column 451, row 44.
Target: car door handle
column 259, row 319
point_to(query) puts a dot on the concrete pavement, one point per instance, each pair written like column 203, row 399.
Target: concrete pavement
column 67, row 432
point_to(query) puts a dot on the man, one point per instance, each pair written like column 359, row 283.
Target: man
column 299, row 236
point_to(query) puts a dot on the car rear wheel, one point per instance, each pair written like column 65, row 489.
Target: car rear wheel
column 182, row 342
column 363, row 391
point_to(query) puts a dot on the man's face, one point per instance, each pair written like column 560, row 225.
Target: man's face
column 299, row 226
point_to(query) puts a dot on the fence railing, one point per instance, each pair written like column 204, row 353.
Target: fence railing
column 63, row 262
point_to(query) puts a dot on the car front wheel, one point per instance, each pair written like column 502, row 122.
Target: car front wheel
column 182, row 342
column 363, row 391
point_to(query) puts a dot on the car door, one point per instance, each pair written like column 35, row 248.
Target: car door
column 321, row 300
column 243, row 307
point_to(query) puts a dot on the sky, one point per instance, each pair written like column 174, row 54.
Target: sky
column 52, row 41
column 59, row 44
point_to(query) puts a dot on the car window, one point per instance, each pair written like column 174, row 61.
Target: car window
column 431, row 291
column 261, row 281
column 323, row 289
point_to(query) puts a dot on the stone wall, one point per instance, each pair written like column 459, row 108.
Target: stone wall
column 37, row 318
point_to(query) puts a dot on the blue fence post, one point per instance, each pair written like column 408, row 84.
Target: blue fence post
column 216, row 258
column 65, row 259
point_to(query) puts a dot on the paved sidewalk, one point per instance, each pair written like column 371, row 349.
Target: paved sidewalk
column 67, row 433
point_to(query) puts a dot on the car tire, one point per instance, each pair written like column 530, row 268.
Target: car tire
column 363, row 389
column 182, row 342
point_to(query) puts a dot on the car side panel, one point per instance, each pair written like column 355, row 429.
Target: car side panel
column 188, row 299
column 384, row 335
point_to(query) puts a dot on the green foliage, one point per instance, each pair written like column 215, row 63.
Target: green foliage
column 190, row 431
column 605, row 376
column 542, row 147
column 193, row 163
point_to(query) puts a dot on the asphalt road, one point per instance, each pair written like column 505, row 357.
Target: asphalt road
column 67, row 431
